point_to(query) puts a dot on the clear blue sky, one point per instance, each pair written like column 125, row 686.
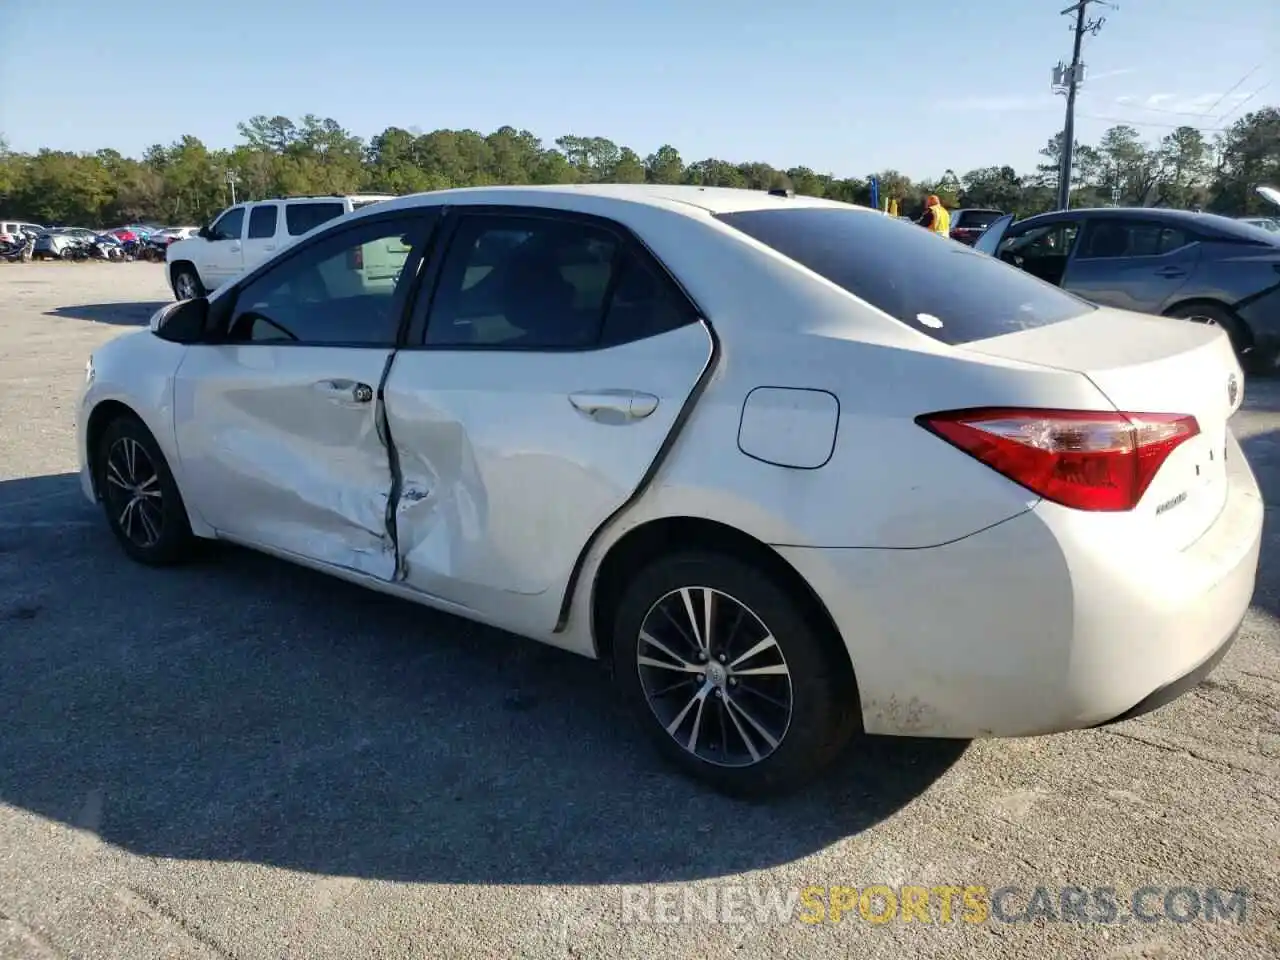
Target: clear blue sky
column 842, row 87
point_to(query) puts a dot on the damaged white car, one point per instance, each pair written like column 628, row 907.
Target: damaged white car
column 795, row 470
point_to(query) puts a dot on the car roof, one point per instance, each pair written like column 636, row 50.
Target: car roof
column 1211, row 222
column 689, row 200
column 333, row 198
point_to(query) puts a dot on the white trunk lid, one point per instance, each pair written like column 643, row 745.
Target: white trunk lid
column 1152, row 365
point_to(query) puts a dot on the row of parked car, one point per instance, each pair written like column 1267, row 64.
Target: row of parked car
column 57, row 242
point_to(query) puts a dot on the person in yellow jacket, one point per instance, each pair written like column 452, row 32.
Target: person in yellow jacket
column 935, row 216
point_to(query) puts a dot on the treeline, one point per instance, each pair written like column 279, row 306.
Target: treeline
column 186, row 182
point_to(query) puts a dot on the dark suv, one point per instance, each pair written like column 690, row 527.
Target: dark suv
column 968, row 225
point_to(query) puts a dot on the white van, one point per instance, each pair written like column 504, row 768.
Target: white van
column 244, row 235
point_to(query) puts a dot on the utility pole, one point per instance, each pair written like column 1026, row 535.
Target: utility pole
column 232, row 179
column 1069, row 77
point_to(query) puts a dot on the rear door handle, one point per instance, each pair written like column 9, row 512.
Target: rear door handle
column 344, row 391
column 614, row 405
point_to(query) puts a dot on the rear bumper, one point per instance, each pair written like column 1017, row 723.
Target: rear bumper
column 1172, row 690
column 1026, row 628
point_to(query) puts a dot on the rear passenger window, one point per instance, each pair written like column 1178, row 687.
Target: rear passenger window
column 1110, row 238
column 301, row 218
column 1171, row 239
column 522, row 283
column 531, row 283
column 645, row 303
column 262, row 221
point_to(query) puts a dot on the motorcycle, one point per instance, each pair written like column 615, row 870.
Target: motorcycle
column 75, row 250
column 20, row 250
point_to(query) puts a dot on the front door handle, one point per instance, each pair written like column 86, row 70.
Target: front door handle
column 1173, row 273
column 345, row 391
column 614, row 405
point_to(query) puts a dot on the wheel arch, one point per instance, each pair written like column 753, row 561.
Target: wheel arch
column 1242, row 327
column 101, row 417
column 106, row 412
column 176, row 264
column 655, row 538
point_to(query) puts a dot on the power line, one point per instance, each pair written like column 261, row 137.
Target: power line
column 1239, row 106
column 1233, row 89
column 1174, row 113
column 1140, row 123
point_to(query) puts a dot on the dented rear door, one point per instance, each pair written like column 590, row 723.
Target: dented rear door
column 552, row 375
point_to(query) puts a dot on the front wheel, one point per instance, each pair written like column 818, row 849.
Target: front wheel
column 730, row 676
column 186, row 282
column 139, row 495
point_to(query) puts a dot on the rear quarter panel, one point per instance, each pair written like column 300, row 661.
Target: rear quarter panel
column 1232, row 275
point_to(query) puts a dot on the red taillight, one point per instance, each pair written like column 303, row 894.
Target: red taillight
column 1079, row 458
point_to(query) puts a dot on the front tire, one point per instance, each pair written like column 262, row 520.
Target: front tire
column 139, row 495
column 186, row 282
column 730, row 676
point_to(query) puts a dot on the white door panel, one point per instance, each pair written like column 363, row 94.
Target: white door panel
column 258, row 248
column 280, row 447
column 223, row 258
column 511, row 460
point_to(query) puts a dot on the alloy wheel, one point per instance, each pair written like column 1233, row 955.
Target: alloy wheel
column 714, row 676
column 186, row 286
column 133, row 492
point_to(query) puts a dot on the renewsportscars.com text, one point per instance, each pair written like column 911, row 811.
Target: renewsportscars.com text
column 940, row 904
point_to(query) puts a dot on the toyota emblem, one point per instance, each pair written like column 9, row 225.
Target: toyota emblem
column 1233, row 390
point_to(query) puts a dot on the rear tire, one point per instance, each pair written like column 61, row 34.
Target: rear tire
column 747, row 725
column 1224, row 318
column 186, row 282
column 139, row 495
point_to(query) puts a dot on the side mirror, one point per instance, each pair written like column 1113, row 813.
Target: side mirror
column 204, row 233
column 183, row 322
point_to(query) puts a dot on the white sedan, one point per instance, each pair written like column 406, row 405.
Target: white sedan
column 793, row 469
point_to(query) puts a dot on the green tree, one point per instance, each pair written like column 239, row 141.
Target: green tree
column 185, row 181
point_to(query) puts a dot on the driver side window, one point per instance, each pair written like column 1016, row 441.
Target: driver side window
column 339, row 291
column 229, row 226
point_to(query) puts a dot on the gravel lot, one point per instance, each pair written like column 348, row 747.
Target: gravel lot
column 244, row 759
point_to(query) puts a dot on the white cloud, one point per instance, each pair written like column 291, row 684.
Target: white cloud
column 1123, row 71
column 1006, row 104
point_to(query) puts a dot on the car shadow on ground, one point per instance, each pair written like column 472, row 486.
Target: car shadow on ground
column 118, row 314
column 245, row 709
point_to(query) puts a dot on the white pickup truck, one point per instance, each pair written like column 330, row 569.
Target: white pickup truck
column 244, row 235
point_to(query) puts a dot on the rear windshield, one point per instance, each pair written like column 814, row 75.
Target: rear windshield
column 929, row 282
column 977, row 218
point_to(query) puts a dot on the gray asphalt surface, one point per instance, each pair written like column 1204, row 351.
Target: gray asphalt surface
column 243, row 759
